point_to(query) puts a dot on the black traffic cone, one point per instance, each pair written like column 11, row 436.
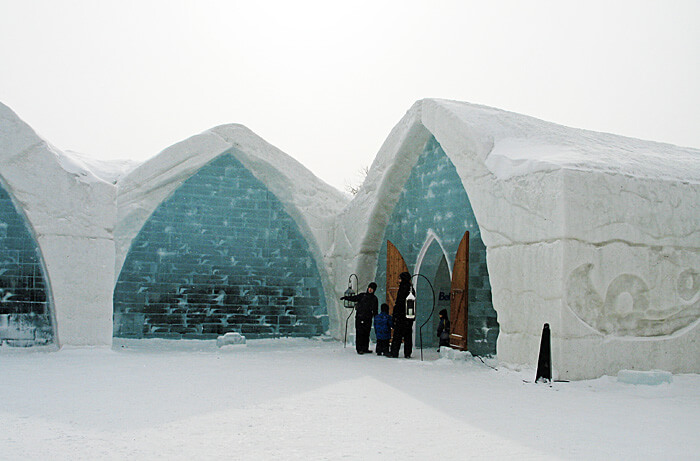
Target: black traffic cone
column 544, row 363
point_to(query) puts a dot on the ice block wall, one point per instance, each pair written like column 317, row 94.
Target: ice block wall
column 219, row 255
column 25, row 313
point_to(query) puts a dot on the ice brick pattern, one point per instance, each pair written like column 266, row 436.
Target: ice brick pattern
column 220, row 255
column 25, row 318
column 434, row 198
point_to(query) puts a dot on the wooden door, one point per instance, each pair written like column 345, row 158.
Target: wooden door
column 459, row 311
column 394, row 266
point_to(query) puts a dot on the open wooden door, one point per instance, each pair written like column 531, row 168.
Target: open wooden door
column 459, row 311
column 394, row 266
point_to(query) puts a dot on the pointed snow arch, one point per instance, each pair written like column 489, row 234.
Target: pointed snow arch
column 433, row 208
column 463, row 145
column 431, row 239
column 220, row 254
column 433, row 263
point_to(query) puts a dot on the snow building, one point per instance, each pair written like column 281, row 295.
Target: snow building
column 507, row 221
column 517, row 222
column 222, row 233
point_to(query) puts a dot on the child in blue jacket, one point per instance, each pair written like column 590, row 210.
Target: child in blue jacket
column 383, row 324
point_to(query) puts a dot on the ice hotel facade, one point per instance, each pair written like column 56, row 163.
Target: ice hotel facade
column 510, row 222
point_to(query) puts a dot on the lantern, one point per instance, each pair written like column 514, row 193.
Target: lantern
column 411, row 306
column 347, row 303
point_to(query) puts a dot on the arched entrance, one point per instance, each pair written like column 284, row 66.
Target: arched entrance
column 427, row 321
column 432, row 214
column 437, row 289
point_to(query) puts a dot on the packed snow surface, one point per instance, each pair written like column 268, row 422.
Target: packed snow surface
column 313, row 399
column 519, row 144
column 107, row 170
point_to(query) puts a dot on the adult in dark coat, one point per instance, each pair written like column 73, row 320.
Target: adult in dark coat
column 403, row 327
column 365, row 310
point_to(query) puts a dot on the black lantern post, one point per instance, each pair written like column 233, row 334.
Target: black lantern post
column 349, row 304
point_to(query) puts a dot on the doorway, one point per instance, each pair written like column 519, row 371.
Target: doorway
column 427, row 321
column 450, row 291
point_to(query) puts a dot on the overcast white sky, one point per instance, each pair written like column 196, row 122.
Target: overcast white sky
column 326, row 81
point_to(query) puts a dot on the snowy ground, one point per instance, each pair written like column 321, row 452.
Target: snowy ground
column 306, row 399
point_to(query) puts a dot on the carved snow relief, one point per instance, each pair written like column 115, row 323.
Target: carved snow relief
column 626, row 310
column 689, row 285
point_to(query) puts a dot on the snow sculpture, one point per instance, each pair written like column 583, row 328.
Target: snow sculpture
column 626, row 308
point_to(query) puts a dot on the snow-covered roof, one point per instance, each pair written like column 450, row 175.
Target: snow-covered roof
column 311, row 202
column 521, row 144
column 107, row 170
column 59, row 194
column 523, row 178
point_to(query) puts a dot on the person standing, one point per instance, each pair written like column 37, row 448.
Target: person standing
column 382, row 328
column 366, row 309
column 403, row 327
column 443, row 329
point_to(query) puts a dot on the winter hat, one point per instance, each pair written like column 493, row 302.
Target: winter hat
column 405, row 276
column 444, row 313
column 385, row 307
column 373, row 286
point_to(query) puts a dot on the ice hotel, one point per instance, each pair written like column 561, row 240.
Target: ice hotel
column 511, row 222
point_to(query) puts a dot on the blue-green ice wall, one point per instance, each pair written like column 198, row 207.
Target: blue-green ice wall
column 25, row 317
column 220, row 255
column 434, row 198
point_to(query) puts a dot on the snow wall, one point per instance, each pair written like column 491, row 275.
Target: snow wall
column 69, row 215
column 597, row 235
